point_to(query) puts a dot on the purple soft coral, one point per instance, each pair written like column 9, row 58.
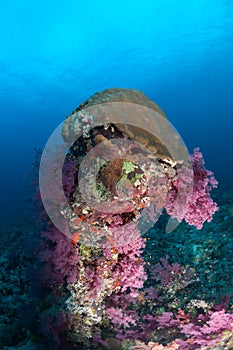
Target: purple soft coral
column 200, row 206
column 208, row 334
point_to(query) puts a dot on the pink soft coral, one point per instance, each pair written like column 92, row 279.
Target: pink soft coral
column 129, row 269
column 209, row 333
column 200, row 206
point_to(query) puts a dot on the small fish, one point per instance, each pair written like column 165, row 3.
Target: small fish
column 76, row 221
column 111, row 240
column 117, row 283
column 75, row 237
column 114, row 250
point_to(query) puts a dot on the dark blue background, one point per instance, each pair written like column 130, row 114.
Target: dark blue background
column 54, row 54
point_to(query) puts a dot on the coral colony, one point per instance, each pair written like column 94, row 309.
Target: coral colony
column 102, row 289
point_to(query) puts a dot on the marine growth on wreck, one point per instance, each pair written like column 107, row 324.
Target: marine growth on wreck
column 118, row 186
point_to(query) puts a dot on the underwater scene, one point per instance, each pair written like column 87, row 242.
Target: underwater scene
column 116, row 226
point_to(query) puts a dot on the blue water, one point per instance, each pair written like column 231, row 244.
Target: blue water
column 55, row 54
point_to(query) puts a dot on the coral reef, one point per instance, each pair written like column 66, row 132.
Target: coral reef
column 110, row 283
